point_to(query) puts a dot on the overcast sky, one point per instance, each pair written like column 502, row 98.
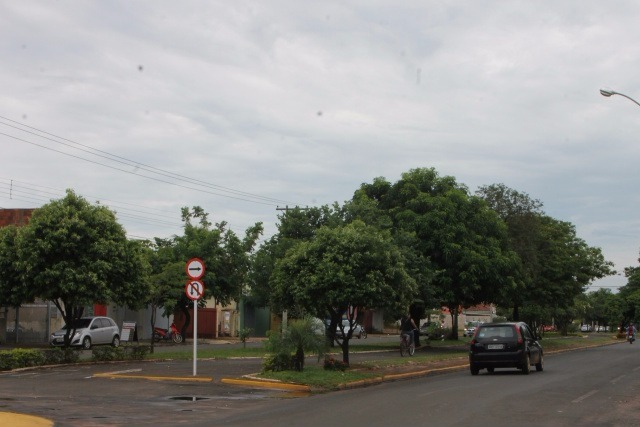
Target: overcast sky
column 245, row 106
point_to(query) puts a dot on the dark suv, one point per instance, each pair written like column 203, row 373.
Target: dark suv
column 505, row 345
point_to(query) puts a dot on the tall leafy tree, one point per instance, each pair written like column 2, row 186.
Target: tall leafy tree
column 341, row 270
column 630, row 296
column 13, row 291
column 521, row 214
column 567, row 265
column 295, row 225
column 226, row 256
column 75, row 254
column 166, row 279
column 464, row 241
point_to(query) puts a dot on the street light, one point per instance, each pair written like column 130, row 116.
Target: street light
column 608, row 93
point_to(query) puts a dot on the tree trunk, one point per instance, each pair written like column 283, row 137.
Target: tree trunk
column 454, row 328
column 153, row 325
column 345, row 351
column 516, row 313
column 187, row 322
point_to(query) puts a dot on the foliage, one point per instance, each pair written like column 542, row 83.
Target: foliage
column 108, row 353
column 76, row 254
column 20, row 358
column 555, row 265
column 13, row 292
column 459, row 248
column 630, row 296
column 295, row 225
column 342, row 270
column 244, row 334
column 287, row 349
column 226, row 256
column 332, row 364
column 275, row 362
column 59, row 355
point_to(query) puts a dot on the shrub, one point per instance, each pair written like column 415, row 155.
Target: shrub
column 137, row 352
column 20, row 358
column 244, row 334
column 331, row 364
column 108, row 354
column 59, row 355
column 287, row 348
column 278, row 362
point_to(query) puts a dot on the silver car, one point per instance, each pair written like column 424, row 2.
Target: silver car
column 89, row 331
column 358, row 330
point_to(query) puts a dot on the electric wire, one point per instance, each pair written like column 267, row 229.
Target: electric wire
column 132, row 163
column 31, row 193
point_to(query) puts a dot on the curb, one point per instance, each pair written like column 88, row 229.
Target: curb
column 266, row 384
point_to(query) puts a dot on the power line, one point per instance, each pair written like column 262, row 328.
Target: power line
column 32, row 193
column 132, row 163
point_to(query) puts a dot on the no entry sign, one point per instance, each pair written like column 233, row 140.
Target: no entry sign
column 195, row 268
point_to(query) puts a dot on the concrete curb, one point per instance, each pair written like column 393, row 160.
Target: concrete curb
column 266, row 384
column 152, row 377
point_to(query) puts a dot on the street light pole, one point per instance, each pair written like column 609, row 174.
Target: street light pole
column 608, row 93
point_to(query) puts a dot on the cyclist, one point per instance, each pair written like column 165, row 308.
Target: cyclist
column 407, row 327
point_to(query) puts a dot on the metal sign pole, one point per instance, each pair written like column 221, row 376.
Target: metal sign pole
column 195, row 338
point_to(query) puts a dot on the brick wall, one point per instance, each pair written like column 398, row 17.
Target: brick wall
column 15, row 216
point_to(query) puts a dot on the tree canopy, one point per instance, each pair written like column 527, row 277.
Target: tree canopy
column 75, row 254
column 463, row 240
column 343, row 270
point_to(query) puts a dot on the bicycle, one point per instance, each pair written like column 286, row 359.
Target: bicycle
column 405, row 347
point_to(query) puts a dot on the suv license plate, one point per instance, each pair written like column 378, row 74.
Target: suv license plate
column 495, row 346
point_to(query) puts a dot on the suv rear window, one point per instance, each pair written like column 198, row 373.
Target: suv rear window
column 501, row 331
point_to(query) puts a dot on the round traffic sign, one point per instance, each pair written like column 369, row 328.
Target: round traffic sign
column 195, row 268
column 194, row 289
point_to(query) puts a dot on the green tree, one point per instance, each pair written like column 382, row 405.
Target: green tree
column 226, row 257
column 555, row 266
column 166, row 281
column 606, row 309
column 630, row 296
column 295, row 225
column 76, row 254
column 567, row 265
column 345, row 269
column 13, row 291
column 521, row 214
column 456, row 235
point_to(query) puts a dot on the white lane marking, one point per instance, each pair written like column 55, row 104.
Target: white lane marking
column 615, row 380
column 126, row 371
column 635, row 369
column 584, row 396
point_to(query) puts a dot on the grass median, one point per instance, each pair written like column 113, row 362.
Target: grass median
column 431, row 355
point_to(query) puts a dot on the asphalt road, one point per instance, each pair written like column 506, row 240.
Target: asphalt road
column 594, row 387
column 589, row 387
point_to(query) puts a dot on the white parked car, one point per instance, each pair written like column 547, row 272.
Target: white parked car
column 358, row 330
column 89, row 331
